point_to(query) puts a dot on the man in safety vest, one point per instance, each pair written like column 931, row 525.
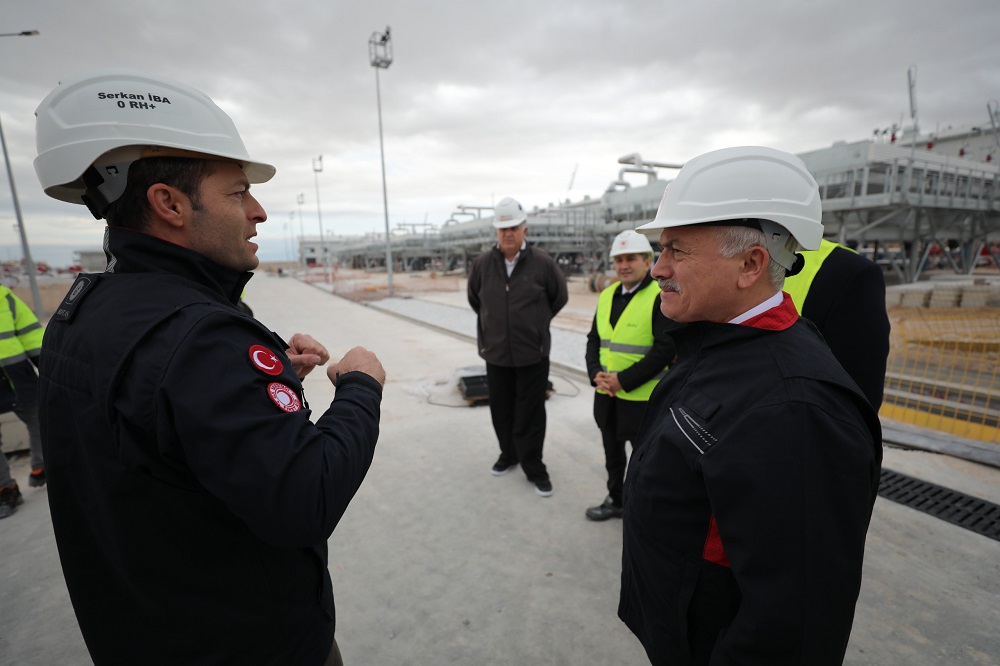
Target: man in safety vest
column 844, row 295
column 20, row 346
column 628, row 351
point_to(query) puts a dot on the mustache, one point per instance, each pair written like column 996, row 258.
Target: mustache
column 668, row 285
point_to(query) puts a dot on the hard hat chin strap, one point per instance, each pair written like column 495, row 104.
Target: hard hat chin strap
column 800, row 263
column 782, row 247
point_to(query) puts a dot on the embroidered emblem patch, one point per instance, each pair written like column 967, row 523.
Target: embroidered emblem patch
column 284, row 397
column 265, row 360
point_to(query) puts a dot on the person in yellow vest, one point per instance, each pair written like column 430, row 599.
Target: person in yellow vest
column 843, row 293
column 628, row 351
column 20, row 346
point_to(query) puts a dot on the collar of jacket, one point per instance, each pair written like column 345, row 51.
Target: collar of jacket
column 131, row 251
column 642, row 285
column 707, row 334
column 525, row 253
column 701, row 336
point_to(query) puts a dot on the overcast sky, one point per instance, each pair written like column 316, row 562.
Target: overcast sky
column 490, row 99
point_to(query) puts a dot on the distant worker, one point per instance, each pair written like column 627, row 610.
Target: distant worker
column 843, row 293
column 516, row 290
column 628, row 351
column 20, row 346
column 749, row 494
column 192, row 496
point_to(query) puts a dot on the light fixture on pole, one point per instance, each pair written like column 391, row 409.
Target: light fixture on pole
column 317, row 168
column 29, row 265
column 300, row 199
column 380, row 56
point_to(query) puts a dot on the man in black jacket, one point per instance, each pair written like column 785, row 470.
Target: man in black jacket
column 191, row 494
column 843, row 293
column 516, row 290
column 749, row 494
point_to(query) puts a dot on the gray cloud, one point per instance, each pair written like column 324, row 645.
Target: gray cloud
column 489, row 99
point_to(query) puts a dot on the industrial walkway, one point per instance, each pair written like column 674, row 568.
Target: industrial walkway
column 438, row 562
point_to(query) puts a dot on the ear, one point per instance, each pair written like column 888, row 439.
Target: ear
column 168, row 206
column 754, row 267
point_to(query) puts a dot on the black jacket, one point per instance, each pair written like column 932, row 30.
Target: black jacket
column 846, row 301
column 514, row 313
column 765, row 432
column 191, row 496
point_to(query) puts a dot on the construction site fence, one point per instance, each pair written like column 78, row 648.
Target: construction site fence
column 943, row 371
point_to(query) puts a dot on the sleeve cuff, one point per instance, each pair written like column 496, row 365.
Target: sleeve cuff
column 357, row 377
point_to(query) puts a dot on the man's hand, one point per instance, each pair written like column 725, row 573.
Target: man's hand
column 608, row 382
column 305, row 354
column 358, row 359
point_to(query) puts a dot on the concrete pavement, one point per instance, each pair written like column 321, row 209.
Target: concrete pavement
column 438, row 562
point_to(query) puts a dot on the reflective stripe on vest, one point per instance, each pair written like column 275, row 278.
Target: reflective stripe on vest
column 630, row 339
column 797, row 286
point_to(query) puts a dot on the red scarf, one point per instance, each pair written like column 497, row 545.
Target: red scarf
column 777, row 318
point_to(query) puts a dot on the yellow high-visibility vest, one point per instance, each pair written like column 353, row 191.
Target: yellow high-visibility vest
column 630, row 339
column 798, row 285
column 20, row 331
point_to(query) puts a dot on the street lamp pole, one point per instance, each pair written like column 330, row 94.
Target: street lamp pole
column 29, row 265
column 380, row 56
column 317, row 168
column 300, row 199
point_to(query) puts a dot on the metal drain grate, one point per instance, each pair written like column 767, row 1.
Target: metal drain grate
column 952, row 506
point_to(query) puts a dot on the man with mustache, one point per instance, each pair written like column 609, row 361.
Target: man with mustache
column 749, row 494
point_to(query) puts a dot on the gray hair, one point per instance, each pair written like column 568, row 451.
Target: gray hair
column 733, row 240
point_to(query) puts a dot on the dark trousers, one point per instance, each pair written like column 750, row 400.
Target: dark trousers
column 517, row 405
column 619, row 423
column 614, row 462
column 334, row 659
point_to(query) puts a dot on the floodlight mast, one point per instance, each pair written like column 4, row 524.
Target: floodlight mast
column 380, row 57
column 301, row 199
column 318, row 169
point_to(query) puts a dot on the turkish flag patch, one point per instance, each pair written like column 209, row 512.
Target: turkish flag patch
column 265, row 360
column 284, row 397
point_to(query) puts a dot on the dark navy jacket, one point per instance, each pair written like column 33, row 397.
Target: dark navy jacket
column 764, row 432
column 191, row 496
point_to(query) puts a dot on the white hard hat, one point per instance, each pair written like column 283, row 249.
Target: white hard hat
column 748, row 183
column 112, row 117
column 508, row 213
column 630, row 242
